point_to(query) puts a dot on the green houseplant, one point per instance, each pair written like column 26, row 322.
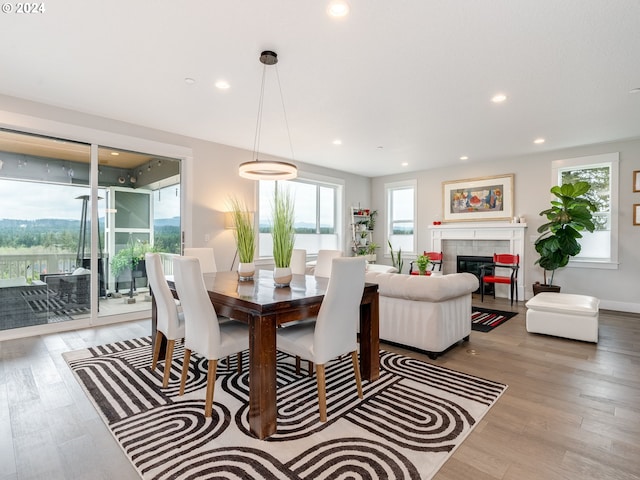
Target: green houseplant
column 372, row 220
column 570, row 214
column 396, row 257
column 245, row 236
column 283, row 235
column 422, row 262
column 130, row 259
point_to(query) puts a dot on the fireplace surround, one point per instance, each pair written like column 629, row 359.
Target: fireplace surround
column 479, row 239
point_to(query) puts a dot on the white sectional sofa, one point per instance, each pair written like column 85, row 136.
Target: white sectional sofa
column 428, row 313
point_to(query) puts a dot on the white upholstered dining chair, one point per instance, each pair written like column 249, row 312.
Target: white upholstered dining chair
column 334, row 333
column 298, row 261
column 170, row 322
column 323, row 262
column 206, row 257
column 204, row 335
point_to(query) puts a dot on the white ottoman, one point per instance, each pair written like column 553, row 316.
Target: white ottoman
column 564, row 315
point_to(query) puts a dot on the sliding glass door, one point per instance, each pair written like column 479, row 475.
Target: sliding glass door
column 49, row 250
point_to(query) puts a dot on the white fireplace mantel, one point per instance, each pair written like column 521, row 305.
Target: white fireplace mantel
column 514, row 233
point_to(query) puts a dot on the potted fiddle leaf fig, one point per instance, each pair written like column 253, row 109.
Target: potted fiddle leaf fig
column 570, row 213
column 245, row 238
column 283, row 235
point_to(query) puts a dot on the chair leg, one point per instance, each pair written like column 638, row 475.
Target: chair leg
column 356, row 371
column 482, row 290
column 239, row 360
column 322, row 393
column 297, row 365
column 211, row 382
column 156, row 350
column 167, row 363
column 185, row 369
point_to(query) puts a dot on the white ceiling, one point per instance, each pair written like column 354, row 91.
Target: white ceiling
column 414, row 77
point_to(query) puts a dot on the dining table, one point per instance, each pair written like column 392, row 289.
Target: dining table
column 264, row 307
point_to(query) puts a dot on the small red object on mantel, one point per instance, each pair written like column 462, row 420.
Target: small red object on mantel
column 437, row 223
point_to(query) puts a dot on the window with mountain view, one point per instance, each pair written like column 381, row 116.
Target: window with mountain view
column 401, row 208
column 599, row 248
column 47, row 266
column 316, row 207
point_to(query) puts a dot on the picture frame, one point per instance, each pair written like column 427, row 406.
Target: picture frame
column 636, row 181
column 478, row 199
column 636, row 214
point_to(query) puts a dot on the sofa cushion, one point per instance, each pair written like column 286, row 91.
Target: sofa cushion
column 424, row 288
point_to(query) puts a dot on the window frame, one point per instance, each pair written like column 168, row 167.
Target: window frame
column 389, row 188
column 318, row 181
column 591, row 161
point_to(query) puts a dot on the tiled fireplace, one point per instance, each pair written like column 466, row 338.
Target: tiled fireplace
column 479, row 239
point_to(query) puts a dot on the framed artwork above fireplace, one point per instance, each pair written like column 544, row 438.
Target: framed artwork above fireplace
column 478, row 199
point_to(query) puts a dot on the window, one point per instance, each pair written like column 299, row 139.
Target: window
column 600, row 247
column 401, row 208
column 317, row 203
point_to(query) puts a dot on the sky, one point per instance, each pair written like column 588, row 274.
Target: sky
column 29, row 201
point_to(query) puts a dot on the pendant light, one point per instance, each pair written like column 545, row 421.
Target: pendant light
column 267, row 169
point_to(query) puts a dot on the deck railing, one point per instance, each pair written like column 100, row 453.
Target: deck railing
column 15, row 265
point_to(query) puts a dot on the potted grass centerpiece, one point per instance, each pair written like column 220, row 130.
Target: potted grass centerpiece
column 283, row 235
column 245, row 238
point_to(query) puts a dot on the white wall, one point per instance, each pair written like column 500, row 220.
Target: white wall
column 211, row 176
column 216, row 177
column 210, row 169
column 618, row 289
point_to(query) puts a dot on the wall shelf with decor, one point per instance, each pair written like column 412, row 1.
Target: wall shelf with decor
column 362, row 224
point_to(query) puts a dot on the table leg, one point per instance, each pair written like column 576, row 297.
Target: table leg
column 370, row 339
column 262, row 376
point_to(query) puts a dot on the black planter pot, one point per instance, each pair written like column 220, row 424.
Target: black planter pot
column 542, row 287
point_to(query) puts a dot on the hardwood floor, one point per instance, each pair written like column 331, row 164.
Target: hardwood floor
column 572, row 409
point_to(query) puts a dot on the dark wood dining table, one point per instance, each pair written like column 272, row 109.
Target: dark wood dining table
column 263, row 307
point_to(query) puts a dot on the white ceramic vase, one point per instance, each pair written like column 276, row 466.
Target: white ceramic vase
column 282, row 276
column 246, row 271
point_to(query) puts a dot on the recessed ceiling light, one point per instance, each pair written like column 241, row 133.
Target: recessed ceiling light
column 464, row 157
column 338, row 8
column 539, row 140
column 405, row 164
column 379, row 147
column 635, row 90
column 337, row 141
column 189, row 80
column 499, row 98
column 222, row 84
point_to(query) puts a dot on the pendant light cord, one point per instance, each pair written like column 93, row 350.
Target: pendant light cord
column 256, row 139
column 286, row 122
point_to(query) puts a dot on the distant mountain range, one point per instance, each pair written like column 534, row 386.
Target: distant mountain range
column 62, row 224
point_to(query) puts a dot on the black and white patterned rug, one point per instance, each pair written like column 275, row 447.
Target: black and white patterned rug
column 408, row 424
